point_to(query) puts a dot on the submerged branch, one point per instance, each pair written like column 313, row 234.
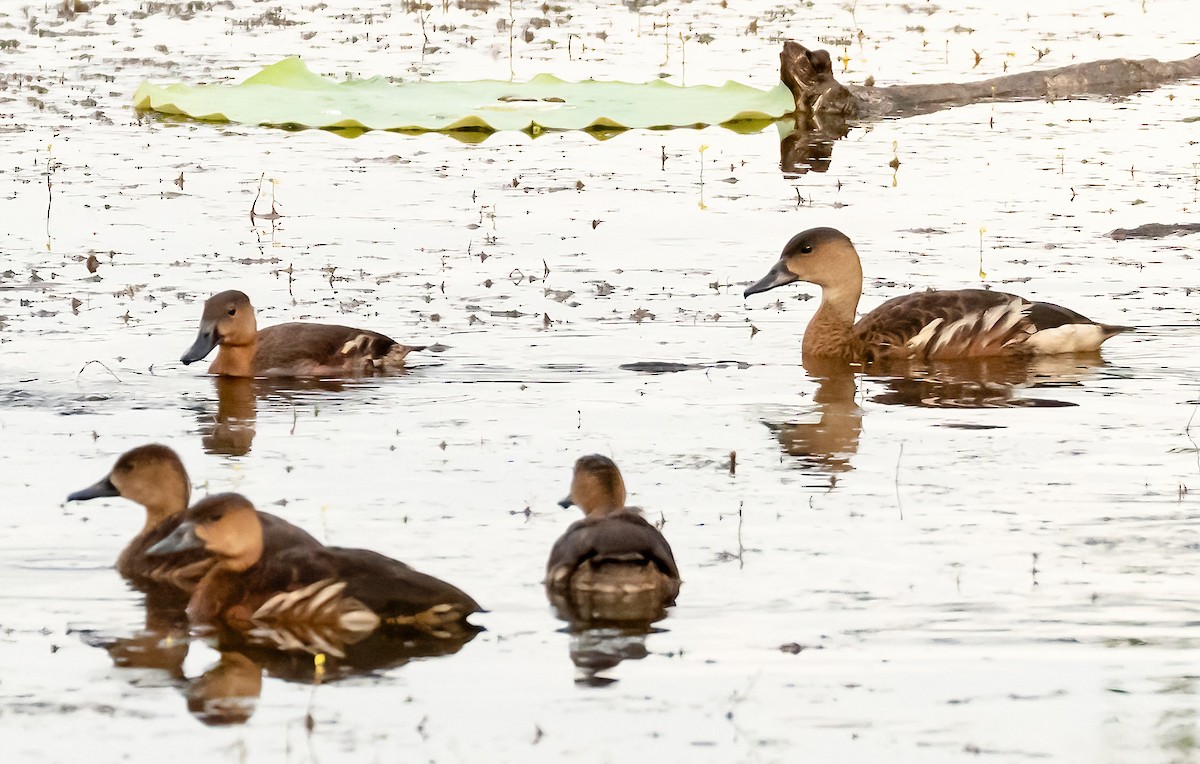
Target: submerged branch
column 808, row 74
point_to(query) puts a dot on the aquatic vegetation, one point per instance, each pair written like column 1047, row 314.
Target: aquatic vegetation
column 288, row 94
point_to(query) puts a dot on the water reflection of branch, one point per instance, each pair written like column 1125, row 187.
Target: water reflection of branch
column 806, row 142
column 100, row 363
column 1187, row 431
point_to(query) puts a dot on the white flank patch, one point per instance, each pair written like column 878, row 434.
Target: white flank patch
column 1068, row 338
column 1014, row 311
column 921, row 338
column 951, row 331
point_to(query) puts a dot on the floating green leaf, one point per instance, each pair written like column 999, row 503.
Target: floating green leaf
column 287, row 94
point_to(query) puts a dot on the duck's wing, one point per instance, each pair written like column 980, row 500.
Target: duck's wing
column 310, row 348
column 182, row 570
column 299, row 587
column 963, row 323
column 279, row 534
column 397, row 592
column 622, row 536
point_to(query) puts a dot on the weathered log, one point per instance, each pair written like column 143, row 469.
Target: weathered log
column 1155, row 231
column 809, row 75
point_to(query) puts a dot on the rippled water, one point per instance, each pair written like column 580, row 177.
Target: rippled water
column 906, row 566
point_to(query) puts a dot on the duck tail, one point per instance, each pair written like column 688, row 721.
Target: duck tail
column 397, row 353
column 1112, row 330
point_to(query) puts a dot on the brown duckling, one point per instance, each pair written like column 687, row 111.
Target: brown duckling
column 612, row 552
column 965, row 323
column 153, row 476
column 287, row 350
column 258, row 581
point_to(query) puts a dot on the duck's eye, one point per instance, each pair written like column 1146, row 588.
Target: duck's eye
column 806, row 249
column 233, row 311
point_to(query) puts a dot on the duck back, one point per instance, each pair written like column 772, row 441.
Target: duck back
column 309, row 349
column 618, row 552
column 346, row 590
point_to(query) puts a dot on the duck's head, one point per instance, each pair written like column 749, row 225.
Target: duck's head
column 228, row 319
column 225, row 525
column 152, row 475
column 821, row 256
column 596, row 486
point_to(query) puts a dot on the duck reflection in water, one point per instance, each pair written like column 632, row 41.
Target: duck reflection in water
column 611, row 575
column 978, row 383
column 231, row 429
column 227, row 691
column 827, row 445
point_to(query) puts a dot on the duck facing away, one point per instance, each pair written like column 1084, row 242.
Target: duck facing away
column 261, row 582
column 964, row 323
column 287, row 350
column 612, row 564
column 153, row 475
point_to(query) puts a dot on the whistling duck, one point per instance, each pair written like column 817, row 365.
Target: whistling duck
column 154, row 476
column 258, row 582
column 963, row 323
column 613, row 550
column 287, row 350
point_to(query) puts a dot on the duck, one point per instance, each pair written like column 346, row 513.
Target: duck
column 297, row 349
column 922, row 326
column 260, row 580
column 610, row 554
column 153, row 475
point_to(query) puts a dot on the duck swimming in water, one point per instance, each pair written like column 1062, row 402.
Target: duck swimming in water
column 612, row 558
column 964, row 323
column 154, row 476
column 287, row 350
column 259, row 581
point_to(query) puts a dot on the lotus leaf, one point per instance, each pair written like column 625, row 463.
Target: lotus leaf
column 287, row 94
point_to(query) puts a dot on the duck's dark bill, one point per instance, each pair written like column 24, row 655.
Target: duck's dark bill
column 181, row 539
column 566, row 503
column 777, row 276
column 205, row 342
column 101, row 489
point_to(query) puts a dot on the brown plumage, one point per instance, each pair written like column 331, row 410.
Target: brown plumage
column 264, row 581
column 287, row 350
column 154, row 476
column 966, row 323
column 612, row 555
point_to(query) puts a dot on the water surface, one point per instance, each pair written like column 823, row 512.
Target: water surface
column 904, row 567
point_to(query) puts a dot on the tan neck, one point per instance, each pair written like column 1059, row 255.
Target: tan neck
column 234, row 360
column 606, row 509
column 165, row 496
column 831, row 330
column 159, row 511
